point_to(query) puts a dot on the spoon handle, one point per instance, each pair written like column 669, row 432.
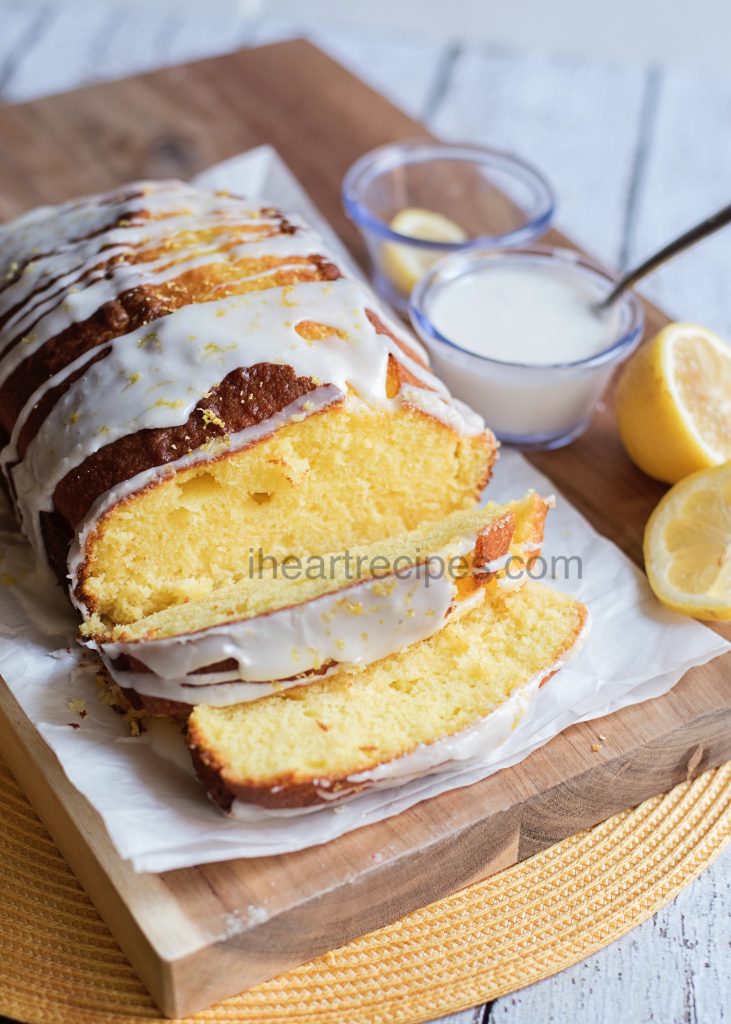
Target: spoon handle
column 695, row 234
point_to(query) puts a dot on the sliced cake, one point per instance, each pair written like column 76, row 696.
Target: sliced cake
column 313, row 618
column 409, row 714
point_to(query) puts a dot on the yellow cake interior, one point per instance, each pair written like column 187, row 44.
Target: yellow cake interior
column 336, row 479
column 435, row 688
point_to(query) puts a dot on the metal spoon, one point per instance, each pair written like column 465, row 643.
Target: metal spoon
column 688, row 238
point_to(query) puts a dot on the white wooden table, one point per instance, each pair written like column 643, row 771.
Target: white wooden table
column 635, row 154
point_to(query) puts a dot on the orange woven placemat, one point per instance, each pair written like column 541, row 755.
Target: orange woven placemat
column 60, row 964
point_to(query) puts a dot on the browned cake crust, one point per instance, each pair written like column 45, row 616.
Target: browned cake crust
column 292, row 794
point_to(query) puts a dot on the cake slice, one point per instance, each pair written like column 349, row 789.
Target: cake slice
column 314, row 618
column 442, row 699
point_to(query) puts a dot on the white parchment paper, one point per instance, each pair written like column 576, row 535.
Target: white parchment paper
column 143, row 787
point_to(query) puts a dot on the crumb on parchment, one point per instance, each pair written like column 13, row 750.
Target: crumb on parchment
column 78, row 706
column 110, row 694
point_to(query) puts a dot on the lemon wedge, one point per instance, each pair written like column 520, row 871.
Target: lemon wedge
column 687, row 545
column 674, row 402
column 405, row 264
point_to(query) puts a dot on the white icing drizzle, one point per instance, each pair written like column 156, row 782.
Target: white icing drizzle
column 496, row 565
column 218, row 694
column 74, row 267
column 44, row 232
column 445, row 408
column 69, row 302
column 10, row 454
column 155, row 376
column 64, row 309
column 517, row 551
column 354, row 625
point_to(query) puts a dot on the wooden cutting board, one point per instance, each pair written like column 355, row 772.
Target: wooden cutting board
column 192, row 934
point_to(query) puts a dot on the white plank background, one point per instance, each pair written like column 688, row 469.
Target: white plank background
column 636, row 153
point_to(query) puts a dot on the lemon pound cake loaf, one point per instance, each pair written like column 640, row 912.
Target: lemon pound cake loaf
column 301, row 622
column 445, row 698
column 185, row 380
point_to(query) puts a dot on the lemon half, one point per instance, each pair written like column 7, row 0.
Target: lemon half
column 687, row 545
column 674, row 402
column 405, row 264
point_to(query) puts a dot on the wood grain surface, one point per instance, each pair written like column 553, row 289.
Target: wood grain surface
column 192, row 934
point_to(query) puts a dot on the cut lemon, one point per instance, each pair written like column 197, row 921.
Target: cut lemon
column 688, row 545
column 674, row 402
column 406, row 264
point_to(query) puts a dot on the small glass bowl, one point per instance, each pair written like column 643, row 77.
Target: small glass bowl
column 530, row 406
column 497, row 199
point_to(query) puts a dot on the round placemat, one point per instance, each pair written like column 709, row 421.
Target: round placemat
column 60, row 964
